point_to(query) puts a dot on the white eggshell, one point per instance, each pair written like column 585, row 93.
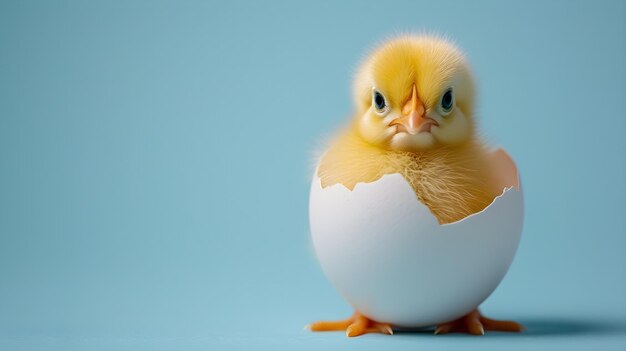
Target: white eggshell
column 391, row 260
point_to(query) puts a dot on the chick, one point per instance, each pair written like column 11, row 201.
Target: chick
column 414, row 116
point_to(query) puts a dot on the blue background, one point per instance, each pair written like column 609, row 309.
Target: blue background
column 155, row 160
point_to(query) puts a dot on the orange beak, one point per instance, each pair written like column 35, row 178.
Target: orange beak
column 413, row 118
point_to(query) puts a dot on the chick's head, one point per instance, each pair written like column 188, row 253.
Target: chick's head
column 415, row 93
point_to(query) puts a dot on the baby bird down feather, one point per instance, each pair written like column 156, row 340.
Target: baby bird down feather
column 414, row 116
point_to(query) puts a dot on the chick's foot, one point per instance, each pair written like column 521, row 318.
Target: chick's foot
column 476, row 324
column 354, row 326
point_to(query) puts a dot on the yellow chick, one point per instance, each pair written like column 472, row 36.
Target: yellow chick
column 415, row 116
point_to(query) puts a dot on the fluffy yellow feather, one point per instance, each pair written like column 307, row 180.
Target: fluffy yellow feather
column 415, row 116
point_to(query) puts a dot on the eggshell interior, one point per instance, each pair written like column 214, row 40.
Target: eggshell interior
column 391, row 260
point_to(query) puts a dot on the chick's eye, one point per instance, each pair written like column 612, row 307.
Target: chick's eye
column 379, row 101
column 447, row 101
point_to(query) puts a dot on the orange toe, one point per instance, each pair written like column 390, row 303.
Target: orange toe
column 474, row 323
column 356, row 325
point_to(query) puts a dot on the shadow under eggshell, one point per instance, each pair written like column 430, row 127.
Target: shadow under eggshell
column 391, row 260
